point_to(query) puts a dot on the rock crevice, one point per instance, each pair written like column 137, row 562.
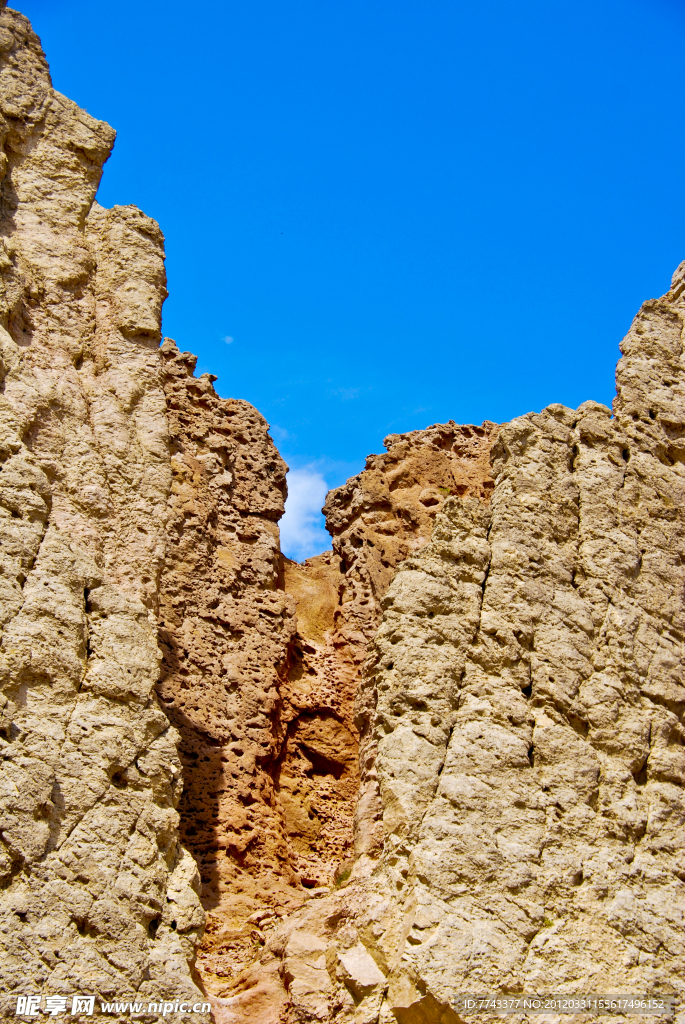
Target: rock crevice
column 528, row 718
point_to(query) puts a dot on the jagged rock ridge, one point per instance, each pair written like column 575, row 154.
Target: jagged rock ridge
column 262, row 657
column 528, row 727
column 140, row 517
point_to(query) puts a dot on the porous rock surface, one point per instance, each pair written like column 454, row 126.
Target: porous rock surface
column 329, row 824
column 98, row 896
column 262, row 656
column 143, row 585
column 225, row 630
column 377, row 519
column 530, row 751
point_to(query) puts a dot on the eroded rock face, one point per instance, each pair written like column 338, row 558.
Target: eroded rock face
column 226, row 627
column 332, row 825
column 447, row 755
column 135, row 497
column 529, row 726
column 318, row 772
column 262, row 656
column 377, row 519
column 97, row 894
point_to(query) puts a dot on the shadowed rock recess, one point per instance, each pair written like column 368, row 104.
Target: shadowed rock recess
column 446, row 756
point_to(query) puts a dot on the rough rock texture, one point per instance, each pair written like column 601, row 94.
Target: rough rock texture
column 97, row 894
column 529, row 728
column 376, row 520
column 262, row 656
column 448, row 755
column 135, row 497
column 226, row 627
column 318, row 772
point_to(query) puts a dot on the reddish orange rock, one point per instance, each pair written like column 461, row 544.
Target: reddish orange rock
column 263, row 656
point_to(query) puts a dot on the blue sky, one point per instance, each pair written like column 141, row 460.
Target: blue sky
column 401, row 212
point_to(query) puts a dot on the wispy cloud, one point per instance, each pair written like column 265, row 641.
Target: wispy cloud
column 302, row 526
column 346, row 394
column 279, row 434
column 228, row 339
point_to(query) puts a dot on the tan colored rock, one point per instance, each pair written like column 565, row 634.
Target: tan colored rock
column 137, row 494
column 264, row 700
column 376, row 519
column 98, row 896
column 448, row 755
column 529, row 721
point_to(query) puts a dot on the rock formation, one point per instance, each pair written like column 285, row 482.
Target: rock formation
column 376, row 520
column 225, row 631
column 98, row 895
column 133, row 496
column 527, row 676
column 446, row 756
column 262, row 656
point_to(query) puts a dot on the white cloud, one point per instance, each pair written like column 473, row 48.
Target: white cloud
column 302, row 526
column 228, row 339
column 347, row 394
column 279, row 434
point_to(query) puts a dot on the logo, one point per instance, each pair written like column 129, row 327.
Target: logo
column 80, row 1006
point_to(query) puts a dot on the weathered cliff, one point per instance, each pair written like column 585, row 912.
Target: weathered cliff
column 529, row 728
column 328, row 823
column 98, row 895
column 140, row 526
column 376, row 520
column 225, row 630
column 447, row 755
column 262, row 656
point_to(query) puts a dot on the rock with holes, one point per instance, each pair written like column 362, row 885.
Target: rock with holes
column 495, row 803
column 263, row 656
column 527, row 727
